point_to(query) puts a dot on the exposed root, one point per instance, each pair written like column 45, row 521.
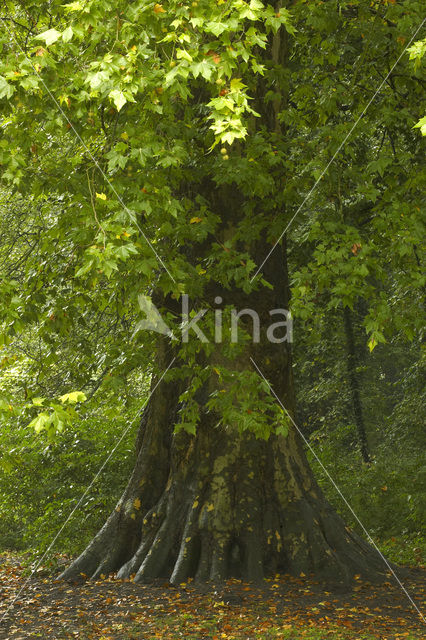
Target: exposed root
column 236, row 514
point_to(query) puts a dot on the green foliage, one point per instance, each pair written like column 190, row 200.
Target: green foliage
column 42, row 480
column 44, row 475
column 387, row 495
column 58, row 417
column 417, row 51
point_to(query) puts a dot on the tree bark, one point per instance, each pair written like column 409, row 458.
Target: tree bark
column 222, row 503
column 354, row 385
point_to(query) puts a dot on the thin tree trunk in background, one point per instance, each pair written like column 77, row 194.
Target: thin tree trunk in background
column 354, row 383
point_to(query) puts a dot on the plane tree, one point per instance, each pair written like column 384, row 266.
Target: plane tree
column 187, row 149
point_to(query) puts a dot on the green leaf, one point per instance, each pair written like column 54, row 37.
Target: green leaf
column 421, row 125
column 216, row 28
column 85, row 268
column 236, row 84
column 118, row 98
column 203, row 68
column 67, row 34
column 50, row 36
column 98, row 81
column 282, row 430
column 183, row 54
column 417, row 50
column 186, row 426
column 6, row 89
column 73, row 397
column 40, row 422
column 73, row 6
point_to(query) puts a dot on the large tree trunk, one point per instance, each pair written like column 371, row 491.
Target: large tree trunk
column 223, row 503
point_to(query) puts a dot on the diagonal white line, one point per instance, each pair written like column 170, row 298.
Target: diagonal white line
column 370, row 539
column 348, row 135
column 92, row 157
column 132, row 422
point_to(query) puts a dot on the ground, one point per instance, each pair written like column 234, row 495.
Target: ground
column 283, row 607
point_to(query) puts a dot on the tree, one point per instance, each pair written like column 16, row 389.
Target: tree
column 177, row 129
column 354, row 382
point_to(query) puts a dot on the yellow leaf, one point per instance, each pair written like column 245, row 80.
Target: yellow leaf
column 210, row 507
column 137, row 503
column 372, row 343
column 124, row 135
column 73, row 397
column 158, row 8
column 195, row 505
column 101, row 196
column 195, row 220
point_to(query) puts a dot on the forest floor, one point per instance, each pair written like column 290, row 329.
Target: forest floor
column 282, row 607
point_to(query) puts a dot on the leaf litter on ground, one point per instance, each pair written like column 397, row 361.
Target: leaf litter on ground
column 282, row 607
